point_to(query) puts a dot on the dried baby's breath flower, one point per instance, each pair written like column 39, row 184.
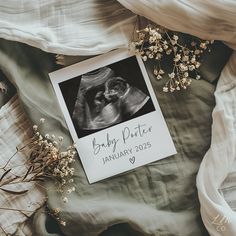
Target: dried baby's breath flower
column 56, row 211
column 65, row 199
column 42, row 120
column 155, row 42
column 55, row 143
column 46, row 161
column 63, row 223
column 165, row 89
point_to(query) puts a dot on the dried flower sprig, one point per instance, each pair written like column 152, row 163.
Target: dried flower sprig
column 52, row 161
column 156, row 43
column 55, row 213
column 46, row 160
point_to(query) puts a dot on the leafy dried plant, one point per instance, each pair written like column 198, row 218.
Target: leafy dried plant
column 46, row 161
column 157, row 43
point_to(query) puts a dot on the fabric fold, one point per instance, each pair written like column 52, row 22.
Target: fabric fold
column 217, row 214
column 204, row 19
column 15, row 131
column 70, row 28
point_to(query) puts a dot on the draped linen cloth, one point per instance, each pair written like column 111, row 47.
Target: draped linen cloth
column 85, row 27
column 41, row 24
column 204, row 19
column 218, row 215
column 15, row 131
column 209, row 20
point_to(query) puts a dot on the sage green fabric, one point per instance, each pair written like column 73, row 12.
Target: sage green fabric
column 157, row 199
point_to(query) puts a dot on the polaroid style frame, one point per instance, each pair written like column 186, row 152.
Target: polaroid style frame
column 124, row 146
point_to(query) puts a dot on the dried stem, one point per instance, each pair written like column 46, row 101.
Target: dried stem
column 46, row 161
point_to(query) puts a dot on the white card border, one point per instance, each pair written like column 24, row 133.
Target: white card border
column 88, row 65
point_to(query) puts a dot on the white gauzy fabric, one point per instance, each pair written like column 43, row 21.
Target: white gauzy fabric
column 89, row 27
column 85, row 27
column 217, row 214
column 15, row 131
column 209, row 20
column 205, row 19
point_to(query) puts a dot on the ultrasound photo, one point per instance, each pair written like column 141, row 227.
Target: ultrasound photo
column 112, row 114
column 106, row 96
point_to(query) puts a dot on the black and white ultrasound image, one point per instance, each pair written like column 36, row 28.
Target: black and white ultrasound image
column 107, row 96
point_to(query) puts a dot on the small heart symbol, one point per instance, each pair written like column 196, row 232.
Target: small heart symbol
column 132, row 160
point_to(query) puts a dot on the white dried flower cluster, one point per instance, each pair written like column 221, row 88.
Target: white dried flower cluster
column 51, row 162
column 46, row 160
column 56, row 214
column 158, row 43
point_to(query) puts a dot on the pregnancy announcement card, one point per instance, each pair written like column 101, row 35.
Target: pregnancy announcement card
column 112, row 114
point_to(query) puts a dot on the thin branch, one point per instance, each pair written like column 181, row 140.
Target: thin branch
column 3, row 230
column 18, row 210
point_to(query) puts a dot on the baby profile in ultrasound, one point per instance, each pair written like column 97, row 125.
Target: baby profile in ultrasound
column 105, row 99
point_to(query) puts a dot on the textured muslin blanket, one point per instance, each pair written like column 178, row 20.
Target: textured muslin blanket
column 158, row 199
column 211, row 20
column 15, row 131
column 86, row 27
column 219, row 162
